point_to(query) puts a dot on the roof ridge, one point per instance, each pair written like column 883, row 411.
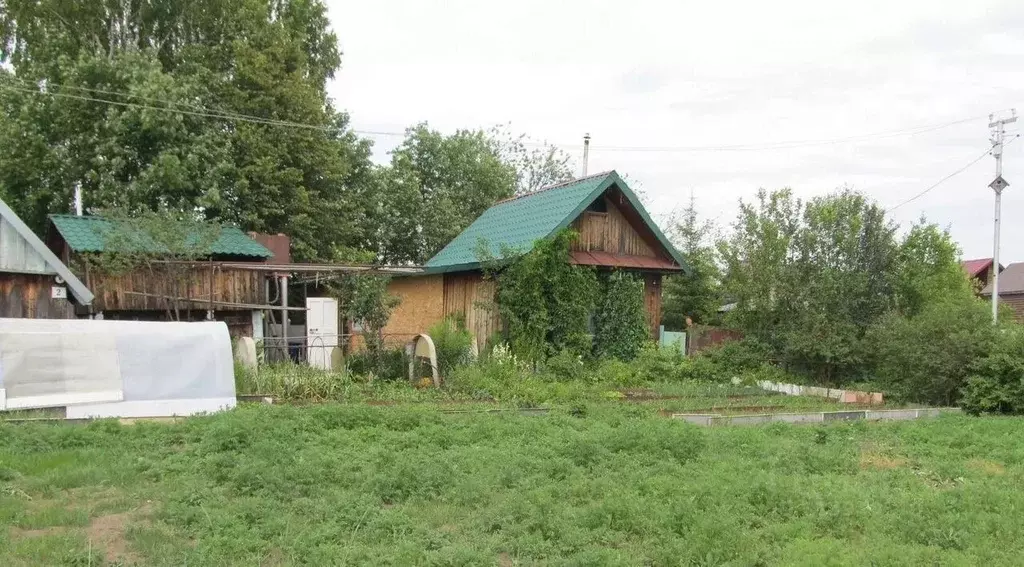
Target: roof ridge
column 558, row 185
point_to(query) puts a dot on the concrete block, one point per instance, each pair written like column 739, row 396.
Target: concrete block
column 695, row 418
column 245, row 352
column 843, row 415
column 816, row 391
column 890, row 415
column 749, row 419
column 816, row 417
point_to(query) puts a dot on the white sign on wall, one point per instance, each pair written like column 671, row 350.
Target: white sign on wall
column 58, row 292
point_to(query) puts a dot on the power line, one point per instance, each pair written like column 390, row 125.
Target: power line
column 948, row 177
column 792, row 143
column 205, row 112
column 243, row 118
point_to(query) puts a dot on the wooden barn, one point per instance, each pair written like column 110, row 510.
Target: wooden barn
column 34, row 283
column 223, row 284
column 615, row 232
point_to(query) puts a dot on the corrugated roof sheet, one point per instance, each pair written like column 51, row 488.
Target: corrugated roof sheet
column 1011, row 280
column 88, row 233
column 976, row 267
column 518, row 222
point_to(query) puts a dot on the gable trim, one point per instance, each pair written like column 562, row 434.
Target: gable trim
column 78, row 289
column 614, row 179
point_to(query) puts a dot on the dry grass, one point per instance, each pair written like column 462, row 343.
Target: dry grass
column 986, row 466
column 873, row 457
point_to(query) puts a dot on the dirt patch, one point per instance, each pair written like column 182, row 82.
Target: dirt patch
column 18, row 533
column 505, row 560
column 107, row 533
column 274, row 558
column 874, row 458
column 988, row 467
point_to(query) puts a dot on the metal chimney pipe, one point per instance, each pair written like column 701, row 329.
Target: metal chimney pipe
column 586, row 152
column 78, row 199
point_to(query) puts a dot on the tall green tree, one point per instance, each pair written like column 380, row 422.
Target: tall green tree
column 161, row 103
column 434, row 188
column 697, row 294
column 811, row 279
column 928, row 269
column 536, row 164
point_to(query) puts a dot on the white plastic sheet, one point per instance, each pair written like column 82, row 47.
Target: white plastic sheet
column 116, row 368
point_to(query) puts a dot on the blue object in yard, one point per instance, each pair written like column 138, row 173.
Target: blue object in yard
column 673, row 340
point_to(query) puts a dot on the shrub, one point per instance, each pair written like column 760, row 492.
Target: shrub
column 656, row 364
column 386, row 364
column 996, row 384
column 741, row 355
column 926, row 358
column 453, row 344
column 616, row 372
column 566, row 366
column 293, row 382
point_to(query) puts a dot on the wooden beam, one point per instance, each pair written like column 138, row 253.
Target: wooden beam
column 213, row 302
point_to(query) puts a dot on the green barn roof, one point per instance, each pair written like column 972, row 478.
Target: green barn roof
column 87, row 234
column 519, row 222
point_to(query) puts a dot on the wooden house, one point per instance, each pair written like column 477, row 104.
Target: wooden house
column 980, row 271
column 615, row 232
column 1011, row 289
column 223, row 284
column 34, row 283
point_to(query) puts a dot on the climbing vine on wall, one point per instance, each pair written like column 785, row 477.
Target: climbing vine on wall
column 620, row 325
column 546, row 301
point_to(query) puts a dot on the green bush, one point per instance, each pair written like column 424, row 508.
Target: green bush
column 385, row 364
column 996, row 384
column 293, row 382
column 656, row 364
column 616, row 372
column 453, row 344
column 927, row 358
column 566, row 366
column 739, row 356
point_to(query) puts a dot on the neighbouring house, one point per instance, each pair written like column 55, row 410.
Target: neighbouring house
column 1011, row 289
column 34, row 282
column 980, row 271
column 224, row 285
column 615, row 232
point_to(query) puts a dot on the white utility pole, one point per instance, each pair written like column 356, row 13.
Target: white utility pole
column 586, row 152
column 998, row 184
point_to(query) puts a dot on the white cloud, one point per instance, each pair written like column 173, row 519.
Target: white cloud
column 675, row 74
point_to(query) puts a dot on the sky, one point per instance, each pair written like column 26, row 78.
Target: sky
column 887, row 97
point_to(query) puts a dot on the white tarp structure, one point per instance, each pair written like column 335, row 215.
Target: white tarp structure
column 116, row 368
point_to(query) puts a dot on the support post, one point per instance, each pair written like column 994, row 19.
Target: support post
column 284, row 316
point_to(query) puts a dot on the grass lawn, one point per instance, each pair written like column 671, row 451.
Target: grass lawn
column 602, row 484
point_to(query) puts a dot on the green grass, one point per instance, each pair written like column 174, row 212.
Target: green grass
column 594, row 484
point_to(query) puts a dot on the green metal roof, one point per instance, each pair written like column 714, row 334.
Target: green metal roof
column 519, row 222
column 88, row 234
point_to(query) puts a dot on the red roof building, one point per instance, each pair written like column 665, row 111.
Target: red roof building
column 980, row 271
